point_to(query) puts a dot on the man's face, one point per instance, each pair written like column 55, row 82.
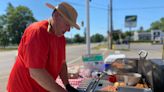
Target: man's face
column 62, row 25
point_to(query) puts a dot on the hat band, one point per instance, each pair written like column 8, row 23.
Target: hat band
column 65, row 12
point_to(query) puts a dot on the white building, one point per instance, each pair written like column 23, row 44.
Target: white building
column 140, row 36
column 154, row 35
column 157, row 36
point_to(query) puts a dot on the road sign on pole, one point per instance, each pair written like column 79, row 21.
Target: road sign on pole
column 131, row 21
column 93, row 58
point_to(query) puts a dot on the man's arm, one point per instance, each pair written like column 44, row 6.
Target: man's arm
column 64, row 74
column 44, row 79
column 64, row 77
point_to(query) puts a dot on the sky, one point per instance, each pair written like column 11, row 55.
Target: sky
column 147, row 11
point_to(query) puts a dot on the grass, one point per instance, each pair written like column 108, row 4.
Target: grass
column 104, row 46
column 8, row 49
column 100, row 46
column 74, row 44
column 122, row 49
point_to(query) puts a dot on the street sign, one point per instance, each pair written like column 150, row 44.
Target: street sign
column 93, row 62
column 93, row 58
column 131, row 21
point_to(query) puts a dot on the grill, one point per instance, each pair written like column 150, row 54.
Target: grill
column 152, row 74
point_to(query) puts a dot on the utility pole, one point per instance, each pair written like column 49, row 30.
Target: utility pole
column 163, row 48
column 108, row 33
column 87, row 28
column 111, row 25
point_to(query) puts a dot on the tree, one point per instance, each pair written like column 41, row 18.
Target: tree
column 115, row 36
column 158, row 25
column 4, row 37
column 97, row 38
column 17, row 20
column 69, row 40
column 155, row 25
column 78, row 39
column 148, row 30
column 3, row 20
column 162, row 24
column 128, row 33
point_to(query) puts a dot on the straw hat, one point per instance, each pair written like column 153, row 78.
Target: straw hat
column 68, row 12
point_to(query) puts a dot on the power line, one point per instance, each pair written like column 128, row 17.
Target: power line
column 99, row 4
column 141, row 8
column 115, row 9
column 129, row 9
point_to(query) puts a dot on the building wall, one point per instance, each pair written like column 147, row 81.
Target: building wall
column 145, row 36
column 135, row 36
column 142, row 36
column 154, row 35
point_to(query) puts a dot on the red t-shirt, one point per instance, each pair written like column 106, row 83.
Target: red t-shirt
column 37, row 49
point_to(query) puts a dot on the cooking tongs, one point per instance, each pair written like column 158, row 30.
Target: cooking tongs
column 143, row 54
column 92, row 86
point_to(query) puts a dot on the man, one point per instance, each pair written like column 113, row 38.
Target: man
column 41, row 54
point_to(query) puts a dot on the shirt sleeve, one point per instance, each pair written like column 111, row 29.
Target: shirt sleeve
column 36, row 49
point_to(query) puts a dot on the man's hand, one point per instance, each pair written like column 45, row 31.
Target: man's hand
column 70, row 88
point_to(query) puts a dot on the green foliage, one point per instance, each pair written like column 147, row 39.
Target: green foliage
column 3, row 20
column 115, row 36
column 69, row 40
column 4, row 38
column 148, row 30
column 162, row 24
column 15, row 21
column 97, row 38
column 18, row 19
column 158, row 24
column 78, row 39
column 129, row 33
column 155, row 25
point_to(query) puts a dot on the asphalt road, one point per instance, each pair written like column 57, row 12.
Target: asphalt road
column 154, row 50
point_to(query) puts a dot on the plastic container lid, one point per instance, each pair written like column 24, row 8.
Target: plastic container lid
column 113, row 57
